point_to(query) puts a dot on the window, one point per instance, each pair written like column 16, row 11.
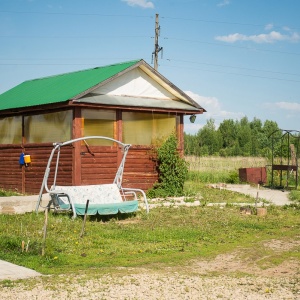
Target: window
column 11, row 130
column 98, row 122
column 52, row 127
column 147, row 128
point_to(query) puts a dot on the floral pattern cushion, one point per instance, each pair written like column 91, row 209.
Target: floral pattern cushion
column 97, row 194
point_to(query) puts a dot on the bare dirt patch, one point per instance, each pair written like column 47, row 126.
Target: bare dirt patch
column 227, row 276
column 280, row 246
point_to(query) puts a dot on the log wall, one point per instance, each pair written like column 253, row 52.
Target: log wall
column 10, row 170
column 97, row 166
column 101, row 167
column 140, row 169
column 28, row 179
column 34, row 173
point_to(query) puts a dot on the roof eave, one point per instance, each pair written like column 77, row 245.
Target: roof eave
column 168, row 85
column 141, row 108
column 164, row 82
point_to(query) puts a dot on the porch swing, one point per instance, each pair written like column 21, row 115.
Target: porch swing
column 102, row 199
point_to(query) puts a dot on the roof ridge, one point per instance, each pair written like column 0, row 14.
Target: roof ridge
column 84, row 70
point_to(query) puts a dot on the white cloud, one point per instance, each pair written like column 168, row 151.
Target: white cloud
column 223, row 3
column 269, row 26
column 285, row 113
column 290, row 106
column 140, row 3
column 272, row 37
column 214, row 111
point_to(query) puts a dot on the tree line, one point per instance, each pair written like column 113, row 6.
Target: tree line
column 239, row 138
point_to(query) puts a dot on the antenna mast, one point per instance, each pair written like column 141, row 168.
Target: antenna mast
column 157, row 49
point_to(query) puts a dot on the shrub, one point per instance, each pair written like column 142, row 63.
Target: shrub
column 172, row 170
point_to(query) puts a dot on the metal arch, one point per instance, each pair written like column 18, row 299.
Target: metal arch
column 284, row 133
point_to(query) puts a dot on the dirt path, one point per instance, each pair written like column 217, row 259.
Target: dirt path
column 225, row 277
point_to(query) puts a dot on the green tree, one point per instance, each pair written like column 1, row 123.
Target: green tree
column 227, row 129
column 209, row 138
column 244, row 136
column 234, row 138
column 257, row 137
column 191, row 145
column 272, row 135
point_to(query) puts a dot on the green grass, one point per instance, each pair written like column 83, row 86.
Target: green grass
column 294, row 195
column 214, row 177
column 206, row 195
column 5, row 193
column 167, row 236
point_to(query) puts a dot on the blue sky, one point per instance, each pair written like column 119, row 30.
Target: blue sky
column 235, row 57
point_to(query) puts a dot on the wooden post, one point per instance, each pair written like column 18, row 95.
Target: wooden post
column 84, row 218
column 256, row 200
column 45, row 231
column 76, row 159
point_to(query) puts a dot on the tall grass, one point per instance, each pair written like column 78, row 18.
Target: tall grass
column 217, row 163
column 214, row 177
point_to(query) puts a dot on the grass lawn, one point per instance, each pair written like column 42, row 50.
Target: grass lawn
column 167, row 236
column 182, row 251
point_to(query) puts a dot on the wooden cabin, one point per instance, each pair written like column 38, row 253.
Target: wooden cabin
column 129, row 101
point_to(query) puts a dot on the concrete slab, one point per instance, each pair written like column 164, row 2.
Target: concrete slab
column 18, row 205
column 9, row 271
column 21, row 204
column 276, row 197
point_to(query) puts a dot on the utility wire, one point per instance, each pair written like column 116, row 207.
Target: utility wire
column 167, row 66
column 72, row 14
column 224, row 22
column 232, row 67
column 231, row 46
column 166, row 38
column 72, row 36
column 232, row 73
column 139, row 16
column 103, row 58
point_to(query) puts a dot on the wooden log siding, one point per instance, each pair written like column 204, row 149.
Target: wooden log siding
column 140, row 169
column 34, row 173
column 99, row 165
column 11, row 172
column 29, row 179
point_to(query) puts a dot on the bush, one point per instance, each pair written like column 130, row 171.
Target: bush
column 233, row 177
column 172, row 170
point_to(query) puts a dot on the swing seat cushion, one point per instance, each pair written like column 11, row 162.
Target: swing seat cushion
column 108, row 209
column 104, row 199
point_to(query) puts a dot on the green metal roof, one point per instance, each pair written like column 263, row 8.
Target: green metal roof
column 59, row 88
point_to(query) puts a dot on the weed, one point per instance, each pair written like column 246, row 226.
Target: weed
column 294, row 195
column 168, row 235
column 7, row 283
column 5, row 193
